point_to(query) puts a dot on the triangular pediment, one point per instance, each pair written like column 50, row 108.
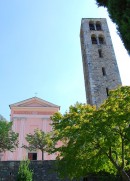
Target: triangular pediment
column 33, row 102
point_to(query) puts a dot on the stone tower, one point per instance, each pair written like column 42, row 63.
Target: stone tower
column 99, row 62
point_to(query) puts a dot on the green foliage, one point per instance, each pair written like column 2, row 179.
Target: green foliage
column 39, row 141
column 73, row 129
column 102, row 2
column 95, row 140
column 119, row 12
column 8, row 138
column 24, row 173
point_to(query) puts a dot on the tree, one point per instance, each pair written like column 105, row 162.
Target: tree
column 95, row 140
column 113, row 120
column 8, row 138
column 24, row 172
column 39, row 140
column 119, row 12
column 75, row 131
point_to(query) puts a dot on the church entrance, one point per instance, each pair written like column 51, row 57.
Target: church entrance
column 32, row 156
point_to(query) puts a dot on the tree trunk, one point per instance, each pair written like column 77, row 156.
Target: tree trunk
column 42, row 155
column 123, row 173
column 125, row 176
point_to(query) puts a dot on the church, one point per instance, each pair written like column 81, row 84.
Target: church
column 28, row 115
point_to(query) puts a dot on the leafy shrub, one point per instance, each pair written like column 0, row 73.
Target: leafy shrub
column 24, row 172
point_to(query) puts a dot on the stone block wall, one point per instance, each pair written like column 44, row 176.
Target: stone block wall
column 43, row 170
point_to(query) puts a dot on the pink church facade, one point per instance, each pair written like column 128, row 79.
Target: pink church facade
column 26, row 116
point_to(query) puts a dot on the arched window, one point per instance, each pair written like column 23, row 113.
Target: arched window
column 94, row 39
column 98, row 26
column 91, row 25
column 101, row 40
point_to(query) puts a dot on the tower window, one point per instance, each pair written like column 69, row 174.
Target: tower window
column 107, row 91
column 101, row 40
column 94, row 39
column 91, row 26
column 100, row 53
column 98, row 26
column 103, row 71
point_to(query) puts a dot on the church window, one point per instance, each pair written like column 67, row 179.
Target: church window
column 98, row 26
column 32, row 156
column 101, row 40
column 103, row 71
column 100, row 53
column 94, row 39
column 107, row 91
column 91, row 26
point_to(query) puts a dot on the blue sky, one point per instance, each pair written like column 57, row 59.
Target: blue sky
column 40, row 51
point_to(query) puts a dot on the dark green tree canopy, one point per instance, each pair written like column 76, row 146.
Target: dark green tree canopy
column 102, row 2
column 119, row 12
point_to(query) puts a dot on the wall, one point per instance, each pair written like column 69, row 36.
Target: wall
column 43, row 170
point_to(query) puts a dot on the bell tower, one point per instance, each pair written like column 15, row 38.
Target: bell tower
column 100, row 68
